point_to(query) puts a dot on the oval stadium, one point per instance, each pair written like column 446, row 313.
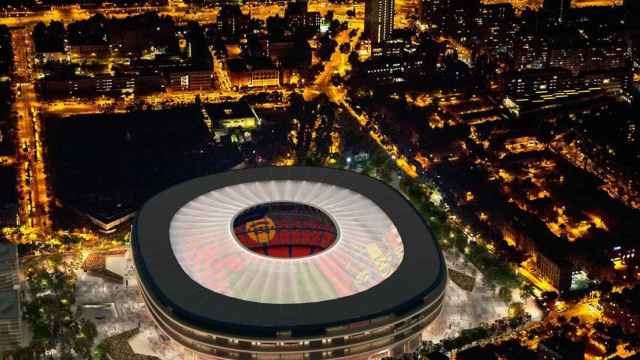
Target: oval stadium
column 288, row 263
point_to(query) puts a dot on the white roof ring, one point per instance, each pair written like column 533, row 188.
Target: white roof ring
column 367, row 250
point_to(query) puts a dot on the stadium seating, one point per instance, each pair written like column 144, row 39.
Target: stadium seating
column 294, row 235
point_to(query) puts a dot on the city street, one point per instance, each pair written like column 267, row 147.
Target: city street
column 34, row 206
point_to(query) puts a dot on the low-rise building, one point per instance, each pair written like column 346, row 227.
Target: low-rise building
column 223, row 117
column 232, row 115
column 100, row 85
column 560, row 348
column 535, row 90
column 524, row 144
column 190, row 80
column 554, row 269
column 253, row 73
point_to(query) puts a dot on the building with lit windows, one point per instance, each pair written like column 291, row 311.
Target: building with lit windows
column 231, row 21
column 249, row 73
column 100, row 85
column 536, row 89
column 298, row 16
column 288, row 263
column 378, row 20
column 190, row 80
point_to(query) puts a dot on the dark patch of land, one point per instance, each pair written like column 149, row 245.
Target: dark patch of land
column 107, row 165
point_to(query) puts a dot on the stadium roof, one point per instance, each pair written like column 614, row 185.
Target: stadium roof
column 367, row 251
column 384, row 261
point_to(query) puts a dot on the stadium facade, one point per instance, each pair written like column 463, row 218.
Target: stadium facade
column 288, row 263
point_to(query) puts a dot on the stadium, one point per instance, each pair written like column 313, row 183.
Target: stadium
column 288, row 263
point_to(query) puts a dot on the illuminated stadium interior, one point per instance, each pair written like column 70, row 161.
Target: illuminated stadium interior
column 285, row 230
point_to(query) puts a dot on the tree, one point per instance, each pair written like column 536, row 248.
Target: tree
column 526, row 291
column 549, row 296
column 516, row 310
column 84, row 339
column 50, row 313
column 88, row 329
column 505, row 294
column 329, row 16
column 353, row 58
column 314, row 122
column 100, row 352
column 345, row 48
column 385, row 172
column 326, row 48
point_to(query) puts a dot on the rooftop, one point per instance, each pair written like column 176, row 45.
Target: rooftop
column 357, row 237
column 229, row 110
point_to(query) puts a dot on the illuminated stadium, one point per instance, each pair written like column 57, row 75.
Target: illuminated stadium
column 288, row 263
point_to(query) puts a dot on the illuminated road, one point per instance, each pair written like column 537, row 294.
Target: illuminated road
column 222, row 76
column 34, row 201
column 69, row 14
column 338, row 64
column 70, row 107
